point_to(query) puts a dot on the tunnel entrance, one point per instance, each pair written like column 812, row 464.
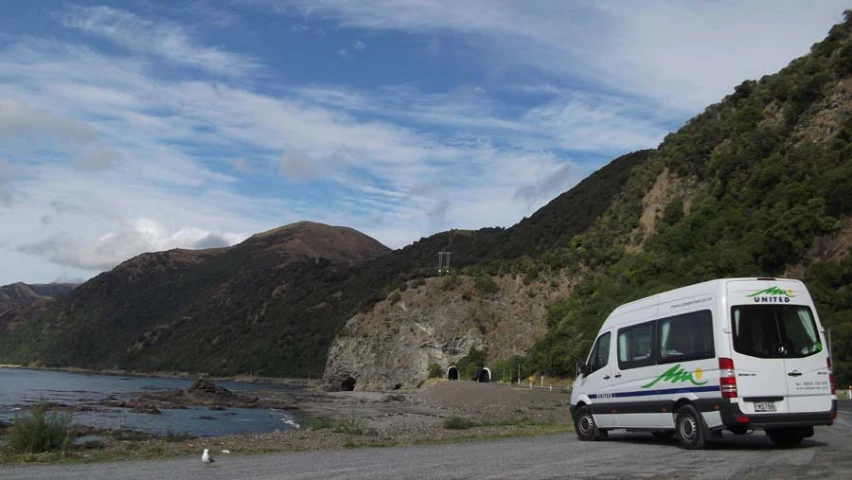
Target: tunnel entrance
column 452, row 373
column 484, row 375
column 347, row 385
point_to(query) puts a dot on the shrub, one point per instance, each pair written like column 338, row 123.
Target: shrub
column 351, row 426
column 395, row 297
column 485, row 284
column 41, row 432
column 673, row 212
column 174, row 437
column 459, row 423
column 450, row 283
column 322, row 423
column 435, row 371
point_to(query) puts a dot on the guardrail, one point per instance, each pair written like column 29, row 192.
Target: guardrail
column 533, row 386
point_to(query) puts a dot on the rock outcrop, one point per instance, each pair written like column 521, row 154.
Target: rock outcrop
column 392, row 346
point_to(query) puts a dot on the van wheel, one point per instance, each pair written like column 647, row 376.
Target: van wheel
column 587, row 429
column 663, row 434
column 783, row 437
column 689, row 428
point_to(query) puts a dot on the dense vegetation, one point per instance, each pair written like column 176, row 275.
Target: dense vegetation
column 769, row 181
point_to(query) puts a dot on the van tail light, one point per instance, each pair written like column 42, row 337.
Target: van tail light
column 727, row 378
column 830, row 375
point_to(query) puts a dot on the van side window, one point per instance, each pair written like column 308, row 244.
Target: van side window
column 686, row 337
column 636, row 346
column 600, row 354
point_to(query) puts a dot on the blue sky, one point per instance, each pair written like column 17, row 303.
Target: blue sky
column 140, row 125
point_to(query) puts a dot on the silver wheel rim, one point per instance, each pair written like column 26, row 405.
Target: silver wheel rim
column 587, row 424
column 688, row 427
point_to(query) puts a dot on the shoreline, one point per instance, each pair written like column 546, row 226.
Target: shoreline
column 440, row 412
column 250, row 379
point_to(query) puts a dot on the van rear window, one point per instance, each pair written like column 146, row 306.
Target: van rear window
column 775, row 331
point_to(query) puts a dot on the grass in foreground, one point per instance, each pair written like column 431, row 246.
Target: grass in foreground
column 40, row 431
column 114, row 449
column 350, row 426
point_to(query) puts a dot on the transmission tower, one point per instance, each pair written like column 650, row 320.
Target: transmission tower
column 443, row 263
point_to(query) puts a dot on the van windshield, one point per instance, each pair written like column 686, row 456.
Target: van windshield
column 772, row 331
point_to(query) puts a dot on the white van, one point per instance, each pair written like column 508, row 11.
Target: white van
column 732, row 354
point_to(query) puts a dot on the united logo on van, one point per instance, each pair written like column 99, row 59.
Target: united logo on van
column 677, row 374
column 772, row 295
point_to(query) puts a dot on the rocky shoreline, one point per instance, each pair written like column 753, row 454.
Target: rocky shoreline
column 340, row 419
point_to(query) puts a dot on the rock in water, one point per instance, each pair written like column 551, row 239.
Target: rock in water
column 205, row 385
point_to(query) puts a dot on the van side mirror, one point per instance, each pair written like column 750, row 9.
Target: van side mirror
column 582, row 368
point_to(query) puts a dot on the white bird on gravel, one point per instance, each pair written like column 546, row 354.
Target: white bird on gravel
column 226, row 451
column 206, row 458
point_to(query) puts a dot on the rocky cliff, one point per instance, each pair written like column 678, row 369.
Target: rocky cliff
column 437, row 321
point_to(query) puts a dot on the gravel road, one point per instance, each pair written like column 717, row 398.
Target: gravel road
column 827, row 455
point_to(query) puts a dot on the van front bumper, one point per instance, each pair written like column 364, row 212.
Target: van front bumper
column 732, row 416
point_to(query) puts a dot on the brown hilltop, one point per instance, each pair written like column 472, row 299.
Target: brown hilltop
column 317, row 240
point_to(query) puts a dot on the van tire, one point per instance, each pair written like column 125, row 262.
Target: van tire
column 689, row 428
column 587, row 429
column 784, row 437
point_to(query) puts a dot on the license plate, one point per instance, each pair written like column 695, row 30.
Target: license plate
column 764, row 406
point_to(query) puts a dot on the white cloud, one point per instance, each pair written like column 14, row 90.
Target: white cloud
column 166, row 160
column 18, row 119
column 166, row 40
column 682, row 54
column 96, row 222
column 341, row 52
column 367, row 148
column 570, row 120
column 359, row 45
column 7, row 173
column 140, row 236
column 241, row 164
column 100, row 158
column 297, row 166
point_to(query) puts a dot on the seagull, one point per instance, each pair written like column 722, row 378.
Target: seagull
column 226, row 451
column 206, row 458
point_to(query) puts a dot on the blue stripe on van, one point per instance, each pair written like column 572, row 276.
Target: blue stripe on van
column 665, row 391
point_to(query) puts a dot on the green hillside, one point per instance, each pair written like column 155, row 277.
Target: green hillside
column 766, row 172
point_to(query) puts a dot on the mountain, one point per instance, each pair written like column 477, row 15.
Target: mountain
column 22, row 294
column 255, row 307
column 759, row 184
